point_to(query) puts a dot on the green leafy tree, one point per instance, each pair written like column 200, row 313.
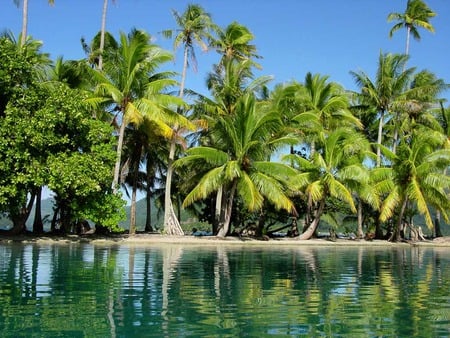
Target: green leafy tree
column 417, row 15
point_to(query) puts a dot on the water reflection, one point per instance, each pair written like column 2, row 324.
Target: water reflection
column 175, row 290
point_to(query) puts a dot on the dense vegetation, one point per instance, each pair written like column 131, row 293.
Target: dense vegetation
column 84, row 128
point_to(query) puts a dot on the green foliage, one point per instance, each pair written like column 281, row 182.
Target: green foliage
column 48, row 137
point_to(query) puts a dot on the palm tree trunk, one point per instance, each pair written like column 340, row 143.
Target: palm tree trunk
column 380, row 139
column 102, row 35
column 171, row 223
column 217, row 213
column 148, row 199
column 315, row 223
column 132, row 229
column 396, row 235
column 224, row 225
column 24, row 22
column 115, row 184
column 408, row 35
column 360, row 232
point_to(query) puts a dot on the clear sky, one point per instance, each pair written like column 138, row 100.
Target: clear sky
column 331, row 37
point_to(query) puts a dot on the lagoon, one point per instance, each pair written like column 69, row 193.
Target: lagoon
column 175, row 290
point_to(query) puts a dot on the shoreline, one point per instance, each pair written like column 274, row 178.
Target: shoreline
column 158, row 239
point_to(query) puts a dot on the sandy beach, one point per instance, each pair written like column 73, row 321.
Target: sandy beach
column 158, row 239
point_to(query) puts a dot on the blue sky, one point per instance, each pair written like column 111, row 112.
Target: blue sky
column 331, row 37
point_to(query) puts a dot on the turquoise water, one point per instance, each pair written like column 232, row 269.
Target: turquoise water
column 81, row 290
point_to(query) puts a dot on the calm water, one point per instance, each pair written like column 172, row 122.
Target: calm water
column 183, row 291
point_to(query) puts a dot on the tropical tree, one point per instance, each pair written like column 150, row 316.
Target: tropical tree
column 234, row 42
column 378, row 98
column 25, row 18
column 417, row 177
column 417, row 15
column 325, row 106
column 194, row 26
column 236, row 162
column 102, row 34
column 124, row 87
column 330, row 171
column 443, row 116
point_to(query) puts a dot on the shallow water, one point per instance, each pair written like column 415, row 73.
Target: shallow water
column 82, row 290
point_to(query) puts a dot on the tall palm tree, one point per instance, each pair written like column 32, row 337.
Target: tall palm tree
column 194, row 26
column 237, row 160
column 234, row 42
column 330, row 171
column 102, row 33
column 416, row 15
column 386, row 91
column 124, row 86
column 25, row 18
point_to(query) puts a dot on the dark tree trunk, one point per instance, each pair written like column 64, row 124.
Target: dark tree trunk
column 437, row 224
column 148, row 196
column 38, row 225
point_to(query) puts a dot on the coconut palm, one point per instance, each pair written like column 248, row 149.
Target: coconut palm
column 389, row 88
column 102, row 34
column 125, row 85
column 443, row 116
column 416, row 15
column 417, row 177
column 194, row 26
column 234, row 42
column 236, row 162
column 330, row 171
column 325, row 106
column 25, row 18
column 416, row 108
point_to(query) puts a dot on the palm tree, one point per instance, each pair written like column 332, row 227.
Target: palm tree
column 417, row 14
column 330, row 171
column 234, row 42
column 194, row 26
column 102, row 34
column 387, row 91
column 325, row 106
column 126, row 86
column 236, row 162
column 25, row 18
column 443, row 116
column 417, row 176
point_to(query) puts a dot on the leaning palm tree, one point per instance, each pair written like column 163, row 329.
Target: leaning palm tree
column 124, row 87
column 416, row 15
column 25, row 18
column 237, row 160
column 331, row 172
column 194, row 26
